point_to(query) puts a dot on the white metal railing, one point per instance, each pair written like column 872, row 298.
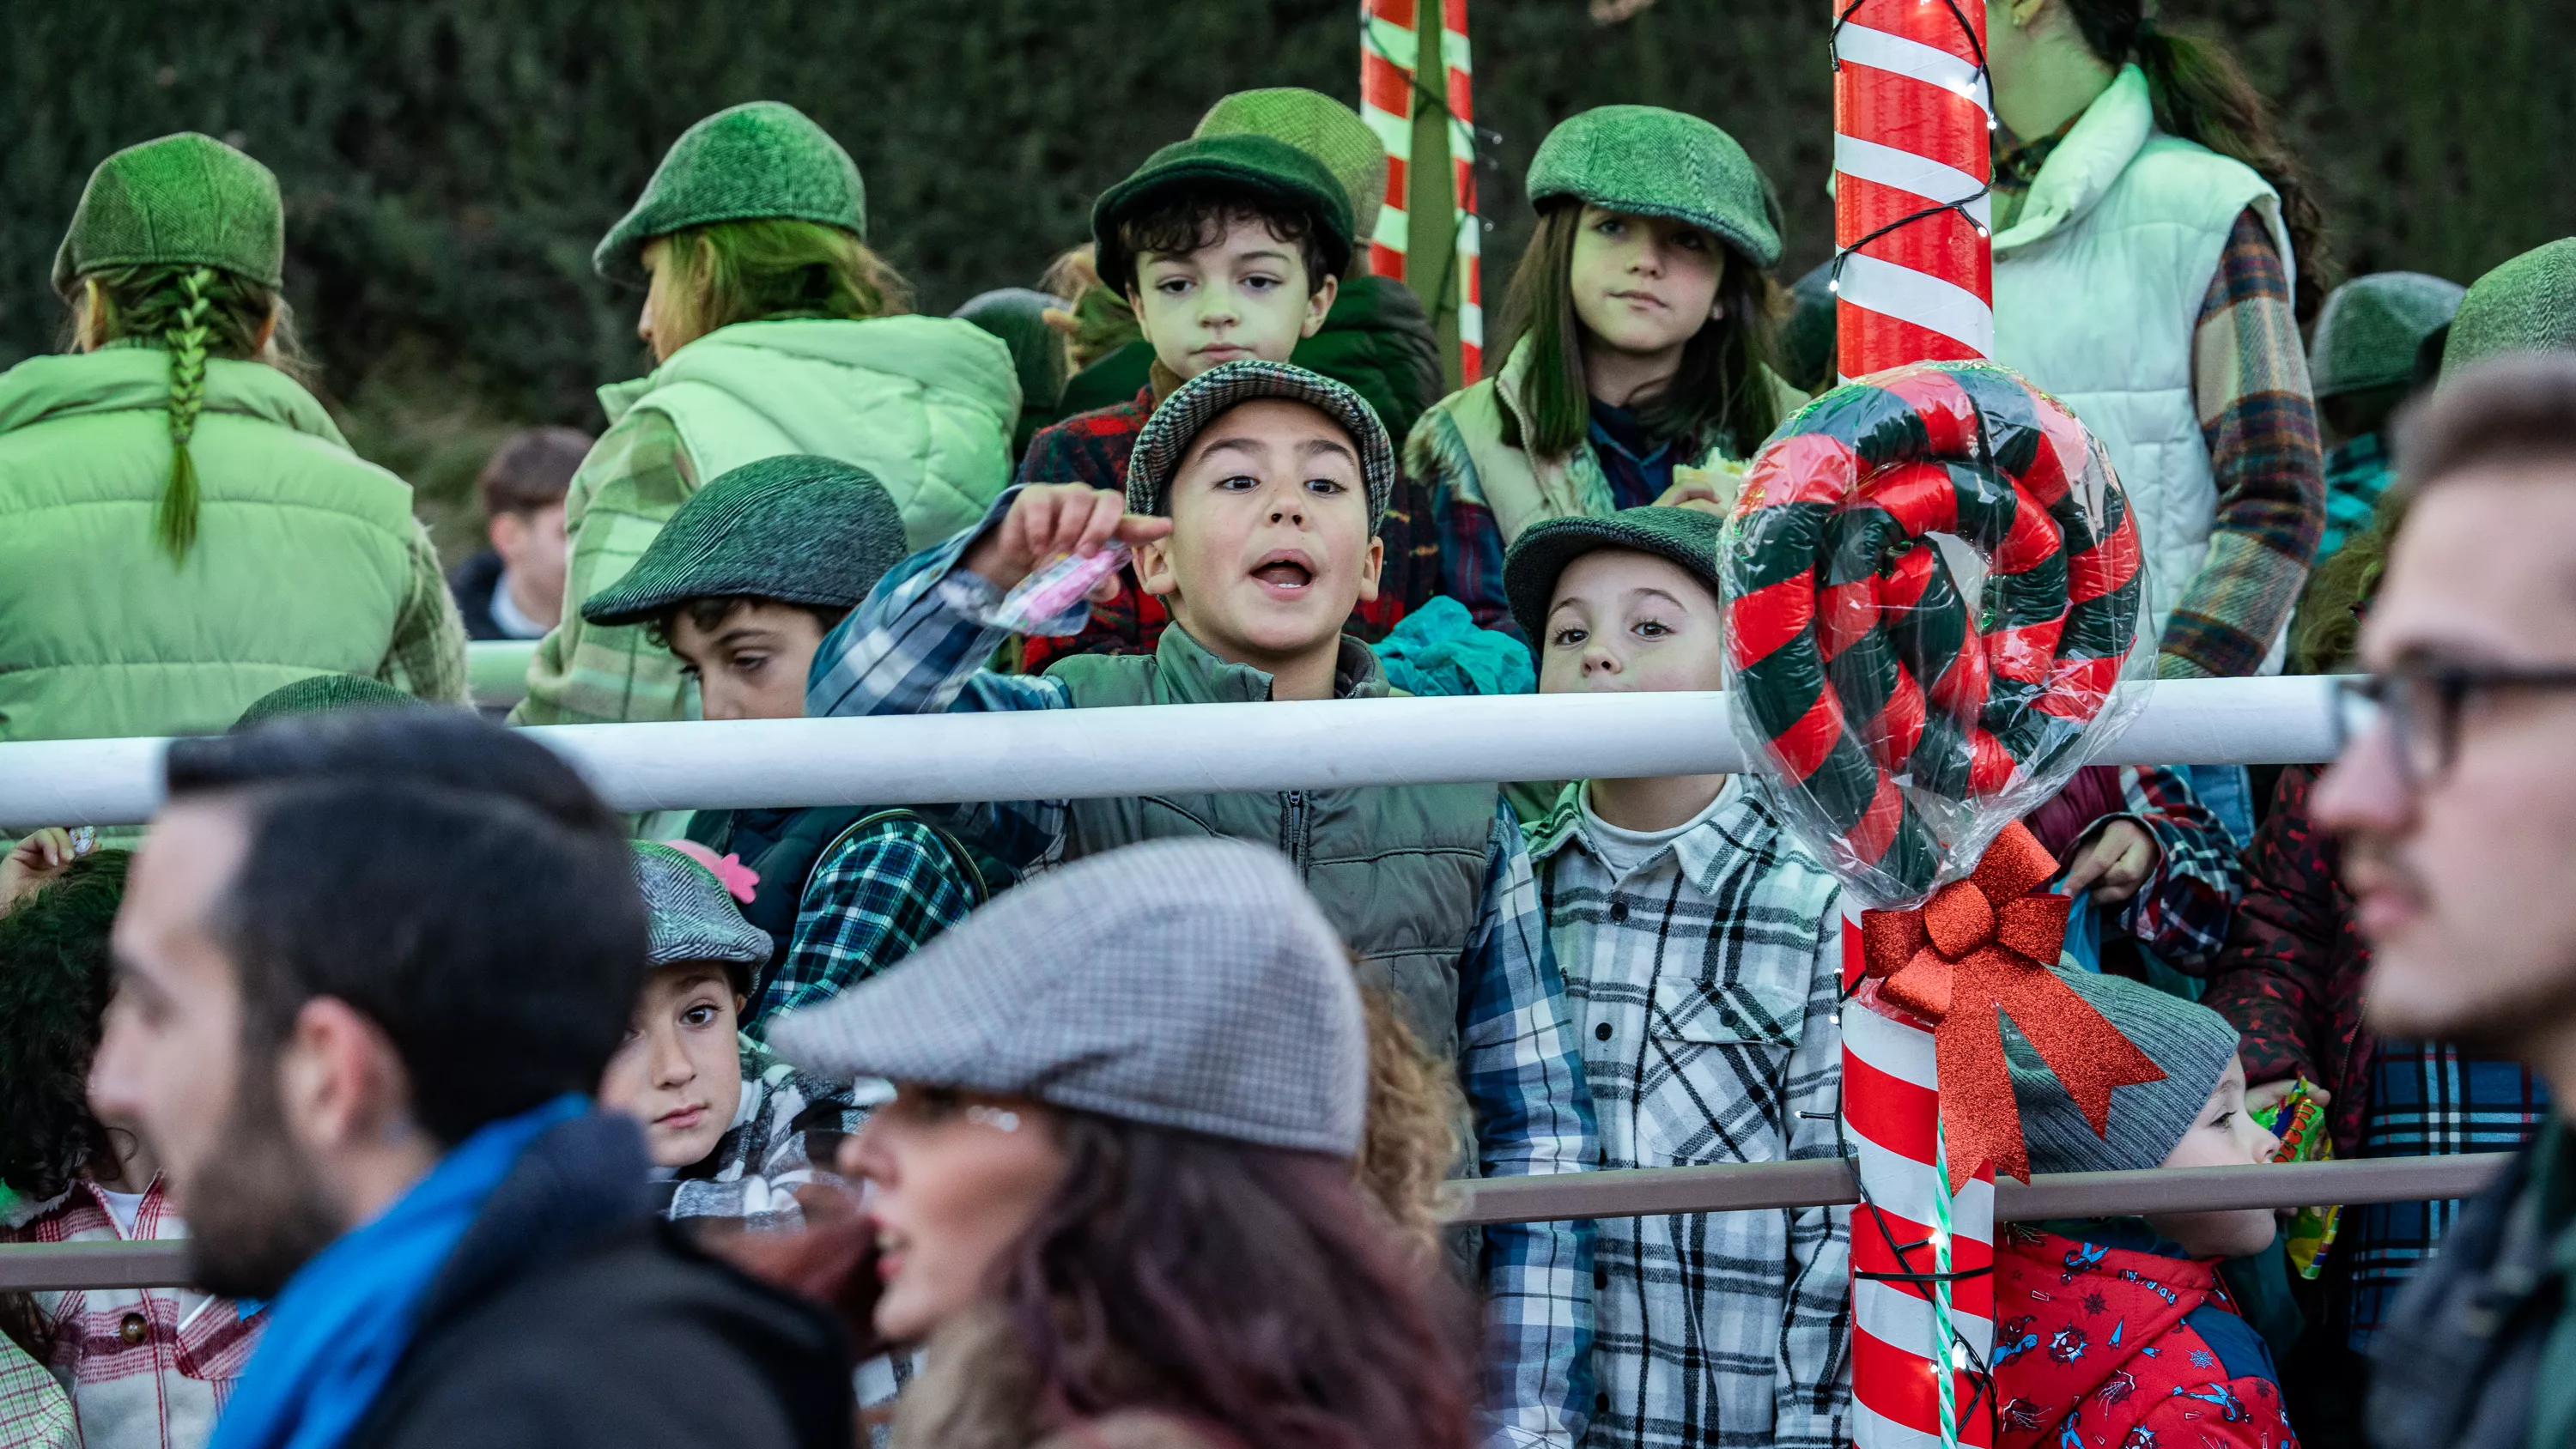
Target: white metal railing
column 1158, row 749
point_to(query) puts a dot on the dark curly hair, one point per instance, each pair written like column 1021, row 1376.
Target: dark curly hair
column 54, row 986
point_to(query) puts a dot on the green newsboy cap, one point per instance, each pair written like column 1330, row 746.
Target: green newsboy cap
column 183, row 200
column 1240, row 162
column 1686, row 536
column 2528, row 304
column 1648, row 161
column 795, row 527
column 2369, row 330
column 759, row 161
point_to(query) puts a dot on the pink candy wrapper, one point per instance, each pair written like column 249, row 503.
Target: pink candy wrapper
column 1043, row 602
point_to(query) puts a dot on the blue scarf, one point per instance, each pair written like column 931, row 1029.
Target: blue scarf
column 343, row 1321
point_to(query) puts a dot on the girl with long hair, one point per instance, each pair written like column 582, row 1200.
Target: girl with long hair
column 1115, row 1193
column 1641, row 314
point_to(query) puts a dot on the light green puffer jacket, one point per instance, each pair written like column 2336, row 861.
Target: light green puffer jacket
column 305, row 560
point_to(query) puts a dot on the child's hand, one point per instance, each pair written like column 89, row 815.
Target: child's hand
column 2271, row 1094
column 1049, row 520
column 2115, row 864
column 32, row 863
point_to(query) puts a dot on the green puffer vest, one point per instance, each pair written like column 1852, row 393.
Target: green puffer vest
column 302, row 559
column 1399, row 870
column 926, row 404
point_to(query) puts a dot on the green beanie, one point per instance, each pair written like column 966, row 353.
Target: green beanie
column 183, row 200
column 2526, row 305
column 1263, row 168
column 1648, row 161
column 759, row 161
column 2369, row 331
column 1323, row 128
column 325, row 694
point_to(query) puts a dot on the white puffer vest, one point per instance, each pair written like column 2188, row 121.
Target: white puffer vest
column 2098, row 289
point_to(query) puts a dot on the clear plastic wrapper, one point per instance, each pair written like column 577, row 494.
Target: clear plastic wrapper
column 1933, row 589
column 1043, row 603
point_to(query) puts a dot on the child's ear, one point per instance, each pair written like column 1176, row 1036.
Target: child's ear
column 1372, row 564
column 1153, row 564
column 1318, row 304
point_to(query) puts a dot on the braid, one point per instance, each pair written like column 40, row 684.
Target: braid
column 186, row 339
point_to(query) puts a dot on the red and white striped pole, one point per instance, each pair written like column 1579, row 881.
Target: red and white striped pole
column 1913, row 282
column 1390, row 57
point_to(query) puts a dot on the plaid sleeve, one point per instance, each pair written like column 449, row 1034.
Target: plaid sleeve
column 2182, row 910
column 636, row 477
column 2271, row 979
column 33, row 1403
column 1469, row 542
column 2259, row 420
column 426, row 657
column 875, row 900
column 916, row 647
column 1811, row 1378
column 1523, row 1074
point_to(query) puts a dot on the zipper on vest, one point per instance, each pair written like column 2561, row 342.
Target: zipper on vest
column 1293, row 833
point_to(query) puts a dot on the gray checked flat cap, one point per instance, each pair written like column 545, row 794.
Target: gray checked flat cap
column 1176, row 424
column 796, row 528
column 2191, row 1042
column 693, row 917
column 1189, row 984
column 1685, row 536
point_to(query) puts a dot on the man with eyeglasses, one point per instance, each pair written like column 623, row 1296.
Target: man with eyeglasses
column 2454, row 799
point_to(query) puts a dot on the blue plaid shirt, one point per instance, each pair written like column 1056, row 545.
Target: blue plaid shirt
column 916, row 647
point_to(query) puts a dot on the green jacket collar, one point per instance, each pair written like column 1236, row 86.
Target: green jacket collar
column 136, row 378
column 937, row 352
column 1195, row 676
column 2080, row 171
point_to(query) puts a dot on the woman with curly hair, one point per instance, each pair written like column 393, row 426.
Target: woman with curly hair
column 146, row 1366
column 1115, row 1193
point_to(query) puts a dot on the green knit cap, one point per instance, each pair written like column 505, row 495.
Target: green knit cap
column 796, row 528
column 759, row 161
column 1323, row 128
column 2526, row 305
column 2369, row 331
column 324, row 694
column 183, row 200
column 1648, row 161
column 1685, row 536
column 1261, row 168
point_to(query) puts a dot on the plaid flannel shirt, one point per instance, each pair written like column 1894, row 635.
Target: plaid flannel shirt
column 786, row 1122
column 2181, row 912
column 145, row 1365
column 2358, row 471
column 914, row 648
column 426, row 656
column 876, row 898
column 1706, row 982
column 35, row 1410
column 636, row 477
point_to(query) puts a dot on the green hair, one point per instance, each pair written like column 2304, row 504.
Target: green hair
column 192, row 313
column 750, row 271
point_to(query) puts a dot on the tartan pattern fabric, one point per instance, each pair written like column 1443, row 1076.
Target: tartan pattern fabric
column 146, row 1365
column 2426, row 1100
column 635, row 478
column 2182, row 911
column 35, row 1411
column 787, row 1123
column 915, row 648
column 1471, row 556
column 426, row 656
column 2358, row 471
column 1705, row 984
column 875, row 899
column 2250, row 385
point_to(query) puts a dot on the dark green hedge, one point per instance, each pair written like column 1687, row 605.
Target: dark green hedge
column 448, row 163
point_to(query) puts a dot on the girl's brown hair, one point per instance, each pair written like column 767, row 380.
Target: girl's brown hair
column 754, row 271
column 1719, row 396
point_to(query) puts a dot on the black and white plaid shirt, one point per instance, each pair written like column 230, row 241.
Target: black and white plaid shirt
column 1704, row 984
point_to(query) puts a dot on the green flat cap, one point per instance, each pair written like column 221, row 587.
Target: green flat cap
column 761, row 160
column 2371, row 326
column 2526, row 305
column 1017, row 315
column 1262, row 168
column 1180, row 418
column 183, row 200
column 1323, row 128
column 795, row 528
column 326, row 694
column 1648, row 161
column 1538, row 557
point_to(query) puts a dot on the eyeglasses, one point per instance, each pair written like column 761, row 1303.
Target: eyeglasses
column 2421, row 707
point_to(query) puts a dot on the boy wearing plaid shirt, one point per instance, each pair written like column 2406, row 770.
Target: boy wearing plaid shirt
column 1252, row 504
column 1702, row 949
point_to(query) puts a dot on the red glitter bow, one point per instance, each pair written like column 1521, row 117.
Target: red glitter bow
column 1986, row 944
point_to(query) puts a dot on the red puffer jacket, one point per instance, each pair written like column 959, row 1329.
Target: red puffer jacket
column 2104, row 1346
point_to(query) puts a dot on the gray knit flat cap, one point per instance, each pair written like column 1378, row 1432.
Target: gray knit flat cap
column 2371, row 326
column 1686, row 536
column 693, row 917
column 1193, row 405
column 1648, row 161
column 2191, row 1042
column 1190, row 984
column 759, row 161
column 797, row 528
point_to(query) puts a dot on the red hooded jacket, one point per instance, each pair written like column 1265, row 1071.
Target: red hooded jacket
column 2104, row 1346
